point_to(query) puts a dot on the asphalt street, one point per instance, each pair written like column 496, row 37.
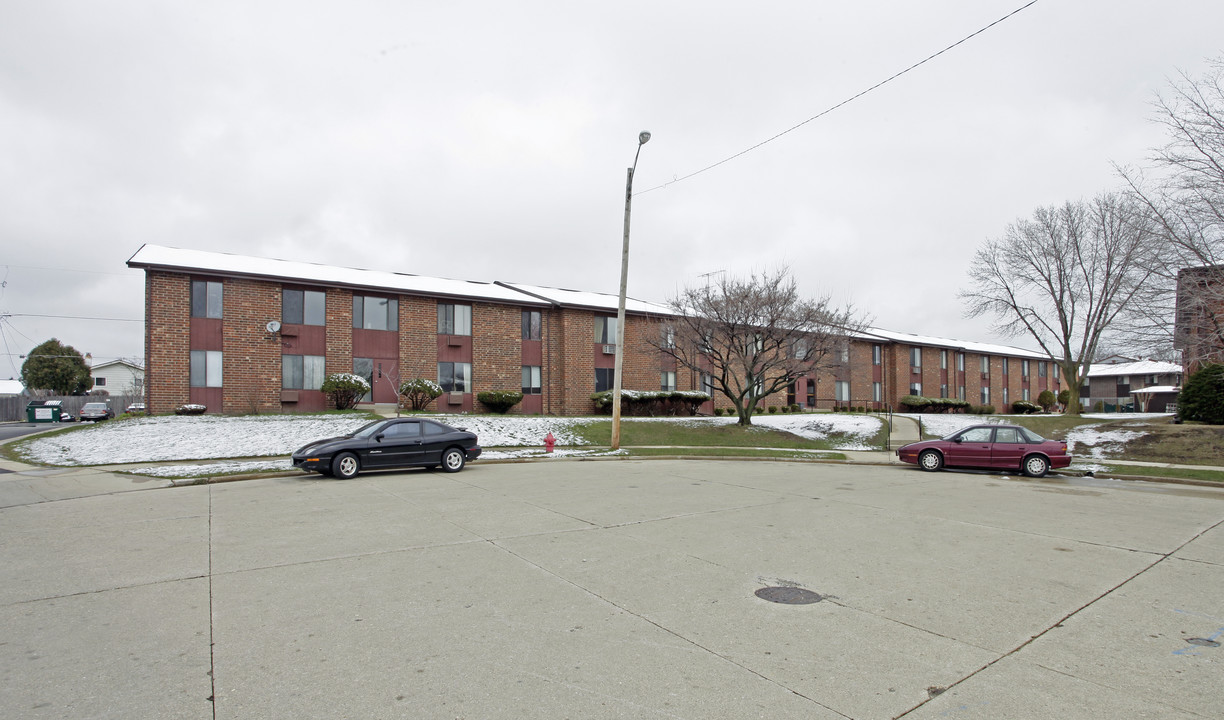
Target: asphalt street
column 610, row 589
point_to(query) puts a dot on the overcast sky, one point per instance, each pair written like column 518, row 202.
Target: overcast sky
column 489, row 140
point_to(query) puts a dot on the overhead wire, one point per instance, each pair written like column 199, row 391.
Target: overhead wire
column 842, row 103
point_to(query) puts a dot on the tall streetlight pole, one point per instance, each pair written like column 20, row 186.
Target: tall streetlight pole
column 643, row 138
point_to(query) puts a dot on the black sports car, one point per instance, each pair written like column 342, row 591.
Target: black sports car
column 394, row 443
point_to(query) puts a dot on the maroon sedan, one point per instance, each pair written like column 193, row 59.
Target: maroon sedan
column 992, row 447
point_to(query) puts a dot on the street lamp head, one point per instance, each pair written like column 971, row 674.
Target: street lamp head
column 643, row 137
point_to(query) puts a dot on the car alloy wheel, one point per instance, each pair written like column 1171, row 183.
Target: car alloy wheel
column 930, row 460
column 453, row 460
column 345, row 466
column 1036, row 466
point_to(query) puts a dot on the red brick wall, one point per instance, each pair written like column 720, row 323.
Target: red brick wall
column 167, row 340
column 252, row 355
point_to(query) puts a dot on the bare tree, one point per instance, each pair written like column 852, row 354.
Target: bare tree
column 754, row 337
column 1186, row 198
column 1063, row 277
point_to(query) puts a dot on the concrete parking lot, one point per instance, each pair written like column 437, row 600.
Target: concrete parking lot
column 610, row 590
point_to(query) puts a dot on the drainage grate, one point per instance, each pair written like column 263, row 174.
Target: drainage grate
column 1204, row 642
column 788, row 595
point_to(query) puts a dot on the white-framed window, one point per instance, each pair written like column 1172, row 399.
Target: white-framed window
column 841, row 390
column 985, row 359
column 915, row 388
column 531, row 380
column 985, row 396
column 1042, row 369
column 667, row 339
column 960, row 392
column 1057, row 370
column 455, row 376
column 943, row 359
column 915, row 357
column 1024, row 394
column 960, row 363
column 877, row 354
column 1024, row 369
column 454, row 319
column 844, row 354
column 877, row 391
column 1006, row 367
column 206, row 298
column 1006, row 396
column 206, row 368
column 302, row 372
column 304, row 307
column 375, row 313
column 667, row 380
column 707, row 384
column 99, row 382
column 943, row 391
column 800, row 349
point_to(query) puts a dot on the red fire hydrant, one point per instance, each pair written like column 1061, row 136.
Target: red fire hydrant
column 549, row 442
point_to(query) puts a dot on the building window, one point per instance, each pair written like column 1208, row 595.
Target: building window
column 1006, row 396
column 667, row 338
column 960, row 392
column 1006, row 369
column 667, row 380
column 915, row 358
column 960, row 363
column 302, row 372
column 1024, row 369
column 843, row 352
column 1041, row 370
column 943, row 391
column 985, row 396
column 800, row 349
column 943, row 359
column 877, row 353
column 364, row 367
column 206, row 299
column 916, row 389
column 605, row 330
column 707, row 384
column 1024, row 394
column 205, row 368
column 531, row 324
column 455, row 376
column 604, row 379
column 811, row 393
column 375, row 313
column 304, row 307
column 454, row 319
column 531, row 380
column 99, row 382
column 985, row 365
column 1057, row 369
column 841, row 391
column 877, row 391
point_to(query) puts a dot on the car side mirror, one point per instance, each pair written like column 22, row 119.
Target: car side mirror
column 378, row 437
column 958, row 439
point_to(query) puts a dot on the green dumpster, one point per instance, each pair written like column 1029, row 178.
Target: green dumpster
column 43, row 411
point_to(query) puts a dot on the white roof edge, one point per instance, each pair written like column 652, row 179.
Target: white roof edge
column 203, row 261
column 954, row 344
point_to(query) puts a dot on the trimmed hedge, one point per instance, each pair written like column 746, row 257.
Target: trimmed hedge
column 644, row 403
column 1024, row 407
column 500, row 401
column 917, row 403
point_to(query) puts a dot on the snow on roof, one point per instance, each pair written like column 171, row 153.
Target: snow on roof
column 119, row 361
column 157, row 256
column 1156, row 389
column 1139, row 367
column 598, row 301
column 965, row 345
column 11, row 387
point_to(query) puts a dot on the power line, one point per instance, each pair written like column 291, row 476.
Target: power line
column 843, row 102
column 71, row 317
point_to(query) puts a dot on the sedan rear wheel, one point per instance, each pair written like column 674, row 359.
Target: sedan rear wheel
column 453, row 460
column 1036, row 466
column 345, row 466
column 930, row 460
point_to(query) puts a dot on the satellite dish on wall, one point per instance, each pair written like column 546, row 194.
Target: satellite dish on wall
column 273, row 326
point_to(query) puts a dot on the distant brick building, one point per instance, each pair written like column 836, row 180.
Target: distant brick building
column 1199, row 323
column 242, row 334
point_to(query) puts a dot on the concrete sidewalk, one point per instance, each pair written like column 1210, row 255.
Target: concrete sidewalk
column 617, row 589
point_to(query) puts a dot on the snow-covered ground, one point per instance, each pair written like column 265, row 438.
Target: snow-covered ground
column 172, row 439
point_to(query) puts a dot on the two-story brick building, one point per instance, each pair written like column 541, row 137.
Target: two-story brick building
column 241, row 334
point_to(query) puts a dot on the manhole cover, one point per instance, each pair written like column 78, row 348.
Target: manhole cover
column 788, row 595
column 1203, row 642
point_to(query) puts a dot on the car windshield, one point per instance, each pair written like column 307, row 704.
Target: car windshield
column 368, row 429
column 94, row 406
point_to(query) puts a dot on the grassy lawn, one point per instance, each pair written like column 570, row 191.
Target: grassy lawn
column 699, row 434
column 1156, row 472
column 735, row 452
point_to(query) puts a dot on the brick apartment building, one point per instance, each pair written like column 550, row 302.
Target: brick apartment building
column 1199, row 324
column 242, row 334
